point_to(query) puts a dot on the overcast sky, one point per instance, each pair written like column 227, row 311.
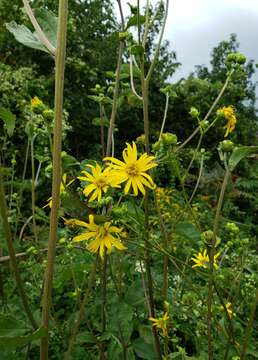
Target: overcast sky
column 194, row 27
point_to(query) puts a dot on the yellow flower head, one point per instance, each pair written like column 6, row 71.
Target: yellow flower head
column 99, row 182
column 63, row 187
column 202, row 260
column 161, row 323
column 102, row 236
column 35, row 102
column 133, row 170
column 229, row 114
column 229, row 309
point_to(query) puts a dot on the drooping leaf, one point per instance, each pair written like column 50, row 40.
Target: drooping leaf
column 9, row 325
column 133, row 21
column 9, row 120
column 144, row 350
column 48, row 23
column 12, row 342
column 187, row 231
column 240, row 153
column 23, row 35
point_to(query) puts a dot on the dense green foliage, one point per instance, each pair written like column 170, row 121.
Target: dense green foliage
column 111, row 296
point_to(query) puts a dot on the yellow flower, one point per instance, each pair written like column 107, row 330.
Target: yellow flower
column 99, row 181
column 133, row 170
column 63, row 187
column 229, row 114
column 229, row 309
column 202, row 260
column 35, row 102
column 161, row 323
column 102, row 236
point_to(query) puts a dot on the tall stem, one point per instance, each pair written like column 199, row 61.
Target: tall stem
column 33, row 197
column 59, row 87
column 116, row 90
column 103, row 302
column 211, row 261
column 11, row 250
column 145, row 97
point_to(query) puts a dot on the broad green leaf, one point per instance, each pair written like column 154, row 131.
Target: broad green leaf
column 240, row 153
column 144, row 350
column 48, row 23
column 125, row 70
column 12, row 342
column 188, row 231
column 9, row 120
column 133, row 21
column 9, row 325
column 120, row 322
column 135, row 294
column 146, row 333
column 23, row 35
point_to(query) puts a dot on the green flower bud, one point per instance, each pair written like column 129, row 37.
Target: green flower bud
column 194, row 113
column 169, row 139
column 62, row 241
column 232, row 227
column 240, row 58
column 207, row 236
column 204, row 124
column 231, row 58
column 156, row 146
column 48, row 114
column 141, row 140
column 226, row 145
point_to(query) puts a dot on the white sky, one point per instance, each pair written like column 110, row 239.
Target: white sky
column 194, row 27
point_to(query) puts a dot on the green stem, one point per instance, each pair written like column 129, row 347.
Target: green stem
column 165, row 245
column 116, row 90
column 211, row 262
column 164, row 116
column 33, row 197
column 145, row 96
column 249, row 326
column 59, row 87
column 11, row 250
column 104, row 301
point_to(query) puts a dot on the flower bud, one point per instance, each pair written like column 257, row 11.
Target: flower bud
column 232, row 227
column 207, row 236
column 226, row 145
column 48, row 114
column 204, row 124
column 169, row 139
column 194, row 113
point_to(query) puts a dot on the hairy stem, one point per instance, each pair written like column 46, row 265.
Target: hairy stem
column 59, row 87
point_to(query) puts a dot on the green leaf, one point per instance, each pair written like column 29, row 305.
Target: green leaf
column 23, row 35
column 188, row 231
column 120, row 322
column 144, row 350
column 48, row 23
column 133, row 21
column 12, row 342
column 9, row 325
column 146, row 333
column 9, row 120
column 240, row 153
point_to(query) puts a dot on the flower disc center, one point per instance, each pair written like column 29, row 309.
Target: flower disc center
column 132, row 170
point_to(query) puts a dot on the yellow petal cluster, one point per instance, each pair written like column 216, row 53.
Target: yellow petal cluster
column 161, row 323
column 229, row 309
column 228, row 112
column 101, row 236
column 133, row 171
column 202, row 260
column 35, row 102
column 99, row 181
